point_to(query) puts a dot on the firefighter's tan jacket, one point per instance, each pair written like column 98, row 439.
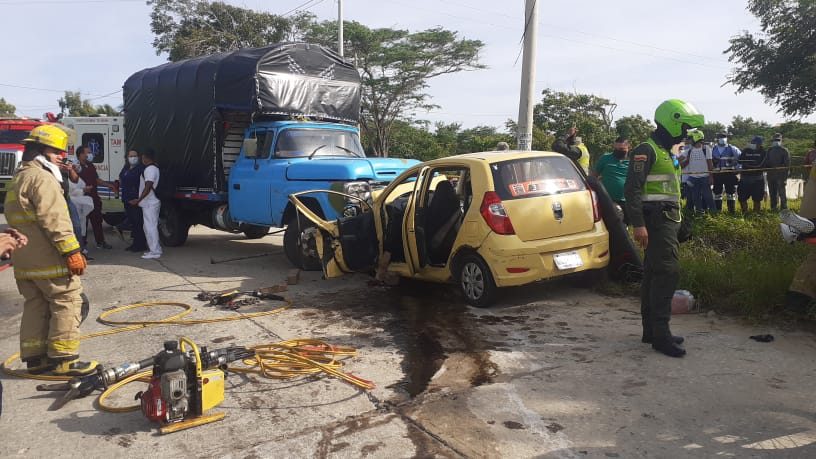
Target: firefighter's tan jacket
column 35, row 205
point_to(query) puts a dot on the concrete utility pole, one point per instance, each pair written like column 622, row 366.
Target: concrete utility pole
column 340, row 27
column 524, row 135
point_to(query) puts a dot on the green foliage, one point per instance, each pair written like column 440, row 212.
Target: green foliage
column 635, row 128
column 6, row 109
column 395, row 66
column 592, row 115
column 745, row 127
column 712, row 128
column 190, row 28
column 75, row 105
column 417, row 142
column 779, row 62
column 739, row 264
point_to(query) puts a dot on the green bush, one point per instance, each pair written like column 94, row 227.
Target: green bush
column 739, row 264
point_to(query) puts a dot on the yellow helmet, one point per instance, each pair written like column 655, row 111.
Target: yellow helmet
column 50, row 136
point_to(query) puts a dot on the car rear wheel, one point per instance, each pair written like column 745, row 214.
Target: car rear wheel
column 304, row 258
column 476, row 281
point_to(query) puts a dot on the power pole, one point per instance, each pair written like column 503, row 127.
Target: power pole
column 524, row 135
column 340, row 27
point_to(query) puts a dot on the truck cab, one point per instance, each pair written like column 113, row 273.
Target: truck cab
column 12, row 133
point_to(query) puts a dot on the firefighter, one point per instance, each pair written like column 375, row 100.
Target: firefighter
column 47, row 269
column 652, row 192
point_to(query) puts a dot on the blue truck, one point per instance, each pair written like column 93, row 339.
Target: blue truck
column 235, row 133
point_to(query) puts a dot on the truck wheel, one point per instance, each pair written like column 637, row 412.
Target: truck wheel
column 173, row 228
column 292, row 246
column 254, row 231
column 476, row 281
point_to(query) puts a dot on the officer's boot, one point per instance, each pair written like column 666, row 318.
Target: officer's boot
column 718, row 204
column 732, row 206
column 665, row 342
column 73, row 367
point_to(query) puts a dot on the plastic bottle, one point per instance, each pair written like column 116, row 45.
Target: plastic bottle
column 682, row 302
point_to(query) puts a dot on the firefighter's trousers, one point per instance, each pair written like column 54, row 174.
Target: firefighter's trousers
column 51, row 316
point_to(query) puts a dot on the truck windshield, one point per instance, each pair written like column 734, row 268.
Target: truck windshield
column 299, row 143
column 12, row 136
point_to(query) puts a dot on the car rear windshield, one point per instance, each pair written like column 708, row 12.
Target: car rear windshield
column 530, row 177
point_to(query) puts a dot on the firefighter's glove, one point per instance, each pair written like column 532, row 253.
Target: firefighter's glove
column 76, row 263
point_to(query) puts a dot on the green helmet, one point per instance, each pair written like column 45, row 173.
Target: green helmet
column 677, row 117
column 696, row 135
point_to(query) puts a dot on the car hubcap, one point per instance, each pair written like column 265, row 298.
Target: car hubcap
column 472, row 281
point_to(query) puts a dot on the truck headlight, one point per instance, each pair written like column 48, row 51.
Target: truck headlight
column 361, row 190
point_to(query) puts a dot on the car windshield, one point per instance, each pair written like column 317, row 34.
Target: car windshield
column 12, row 136
column 298, row 143
column 530, row 177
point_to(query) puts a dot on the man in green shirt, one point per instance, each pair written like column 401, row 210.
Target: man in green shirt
column 612, row 168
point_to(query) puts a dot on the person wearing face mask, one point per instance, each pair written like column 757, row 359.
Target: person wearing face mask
column 778, row 157
column 697, row 164
column 47, row 269
column 752, row 183
column 129, row 183
column 652, row 192
column 725, row 158
column 612, row 168
column 87, row 171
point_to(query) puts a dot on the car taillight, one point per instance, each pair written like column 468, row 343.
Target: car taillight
column 596, row 211
column 495, row 216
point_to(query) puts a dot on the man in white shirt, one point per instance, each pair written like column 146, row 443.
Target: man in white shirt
column 150, row 204
column 697, row 165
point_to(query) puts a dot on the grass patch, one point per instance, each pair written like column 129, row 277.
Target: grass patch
column 739, row 264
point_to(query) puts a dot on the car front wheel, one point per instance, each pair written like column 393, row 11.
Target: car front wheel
column 476, row 281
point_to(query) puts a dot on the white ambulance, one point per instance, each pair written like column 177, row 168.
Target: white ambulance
column 105, row 137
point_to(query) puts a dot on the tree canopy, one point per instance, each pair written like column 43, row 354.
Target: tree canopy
column 781, row 61
column 6, row 109
column 191, row 28
column 592, row 115
column 635, row 128
column 73, row 104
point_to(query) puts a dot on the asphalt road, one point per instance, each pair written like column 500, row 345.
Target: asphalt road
column 552, row 371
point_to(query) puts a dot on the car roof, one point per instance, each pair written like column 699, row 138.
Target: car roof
column 495, row 156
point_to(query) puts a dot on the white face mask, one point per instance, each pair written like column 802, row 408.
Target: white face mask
column 722, row 141
column 90, row 157
column 133, row 160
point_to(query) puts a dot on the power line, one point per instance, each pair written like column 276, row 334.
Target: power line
column 303, row 6
column 62, row 91
column 72, row 2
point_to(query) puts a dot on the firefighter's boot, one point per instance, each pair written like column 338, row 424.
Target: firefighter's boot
column 37, row 365
column 73, row 367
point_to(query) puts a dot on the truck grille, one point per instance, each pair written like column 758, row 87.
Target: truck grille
column 8, row 162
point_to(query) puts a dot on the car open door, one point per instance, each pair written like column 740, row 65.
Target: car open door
column 346, row 245
column 413, row 230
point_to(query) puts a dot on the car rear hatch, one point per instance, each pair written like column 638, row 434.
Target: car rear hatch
column 544, row 197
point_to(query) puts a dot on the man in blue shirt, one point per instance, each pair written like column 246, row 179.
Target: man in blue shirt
column 725, row 157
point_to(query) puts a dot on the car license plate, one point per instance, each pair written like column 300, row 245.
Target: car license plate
column 567, row 260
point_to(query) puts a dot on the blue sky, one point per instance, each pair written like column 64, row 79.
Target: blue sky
column 635, row 52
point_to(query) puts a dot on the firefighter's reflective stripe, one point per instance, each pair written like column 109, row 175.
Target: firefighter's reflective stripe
column 32, row 346
column 660, row 197
column 20, row 218
column 68, row 246
column 64, row 346
column 50, row 272
column 11, row 194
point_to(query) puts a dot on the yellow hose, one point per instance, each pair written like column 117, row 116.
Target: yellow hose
column 286, row 359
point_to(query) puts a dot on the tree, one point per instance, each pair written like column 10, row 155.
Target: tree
column 190, row 28
column 712, row 129
column 779, row 62
column 748, row 127
column 592, row 115
column 635, row 128
column 395, row 67
column 74, row 105
column 6, row 109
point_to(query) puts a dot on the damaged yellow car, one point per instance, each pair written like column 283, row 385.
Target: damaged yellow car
column 480, row 220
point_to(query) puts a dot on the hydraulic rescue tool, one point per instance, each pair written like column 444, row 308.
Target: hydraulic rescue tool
column 185, row 383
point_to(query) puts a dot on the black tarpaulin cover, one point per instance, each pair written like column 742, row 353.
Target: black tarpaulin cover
column 177, row 108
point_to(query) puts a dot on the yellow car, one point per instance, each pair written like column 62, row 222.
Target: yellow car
column 482, row 220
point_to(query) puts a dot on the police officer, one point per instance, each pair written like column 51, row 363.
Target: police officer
column 47, row 269
column 725, row 157
column 652, row 194
column 572, row 146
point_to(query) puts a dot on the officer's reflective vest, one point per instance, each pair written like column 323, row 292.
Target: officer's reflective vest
column 663, row 181
column 583, row 161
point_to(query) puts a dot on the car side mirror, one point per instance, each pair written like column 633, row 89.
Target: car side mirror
column 251, row 147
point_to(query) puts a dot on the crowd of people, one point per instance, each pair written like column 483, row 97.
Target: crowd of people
column 650, row 182
column 48, row 206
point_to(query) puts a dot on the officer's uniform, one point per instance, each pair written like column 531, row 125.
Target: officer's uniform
column 652, row 193
column 36, row 207
column 725, row 159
